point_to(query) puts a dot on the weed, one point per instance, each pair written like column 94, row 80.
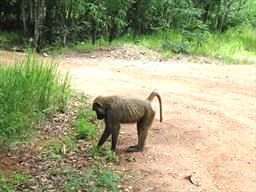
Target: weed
column 29, row 90
column 85, row 126
column 5, row 184
column 95, row 152
column 110, row 155
column 20, row 177
column 70, row 143
column 85, row 129
column 9, row 183
column 53, row 150
column 86, row 114
column 104, row 153
column 97, row 178
column 107, row 180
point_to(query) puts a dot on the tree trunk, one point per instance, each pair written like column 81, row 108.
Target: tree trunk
column 36, row 23
column 217, row 16
column 112, row 30
column 38, row 17
column 93, row 32
column 48, row 21
column 223, row 16
column 24, row 18
column 206, row 13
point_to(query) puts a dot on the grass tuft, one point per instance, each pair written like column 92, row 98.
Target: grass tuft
column 85, row 126
column 29, row 89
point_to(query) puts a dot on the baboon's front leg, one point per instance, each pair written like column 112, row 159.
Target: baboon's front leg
column 104, row 136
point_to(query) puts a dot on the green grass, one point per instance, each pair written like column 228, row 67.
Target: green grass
column 235, row 45
column 97, row 179
column 53, row 150
column 9, row 183
column 85, row 126
column 70, row 143
column 5, row 184
column 29, row 90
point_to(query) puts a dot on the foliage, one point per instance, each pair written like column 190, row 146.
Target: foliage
column 30, row 89
column 68, row 22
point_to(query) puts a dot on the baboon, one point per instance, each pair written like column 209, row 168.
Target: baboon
column 115, row 110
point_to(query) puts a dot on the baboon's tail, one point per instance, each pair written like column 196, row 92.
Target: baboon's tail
column 151, row 97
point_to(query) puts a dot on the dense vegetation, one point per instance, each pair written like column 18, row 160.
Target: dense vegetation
column 29, row 89
column 47, row 22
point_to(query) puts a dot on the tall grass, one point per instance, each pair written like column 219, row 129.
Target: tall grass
column 235, row 45
column 29, row 89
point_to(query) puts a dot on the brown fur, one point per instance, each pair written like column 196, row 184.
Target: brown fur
column 115, row 110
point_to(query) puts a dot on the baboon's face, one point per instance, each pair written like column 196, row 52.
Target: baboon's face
column 99, row 109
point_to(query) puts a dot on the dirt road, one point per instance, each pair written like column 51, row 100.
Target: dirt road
column 207, row 140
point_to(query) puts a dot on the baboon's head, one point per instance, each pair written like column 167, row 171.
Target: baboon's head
column 99, row 108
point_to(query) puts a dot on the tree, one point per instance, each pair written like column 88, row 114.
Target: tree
column 225, row 7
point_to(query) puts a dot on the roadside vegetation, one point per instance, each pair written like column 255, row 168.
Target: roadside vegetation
column 224, row 30
column 30, row 90
column 236, row 45
column 47, row 131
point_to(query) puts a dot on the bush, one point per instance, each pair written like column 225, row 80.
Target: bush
column 29, row 89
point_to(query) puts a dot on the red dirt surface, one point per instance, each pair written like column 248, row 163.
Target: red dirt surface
column 207, row 140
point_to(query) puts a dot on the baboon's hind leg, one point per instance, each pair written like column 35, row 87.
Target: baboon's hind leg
column 142, row 129
column 134, row 148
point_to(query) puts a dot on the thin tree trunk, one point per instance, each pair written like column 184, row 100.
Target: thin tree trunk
column 36, row 23
column 49, row 20
column 38, row 16
column 31, row 19
column 93, row 32
column 224, row 15
column 217, row 16
column 23, row 15
column 206, row 12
